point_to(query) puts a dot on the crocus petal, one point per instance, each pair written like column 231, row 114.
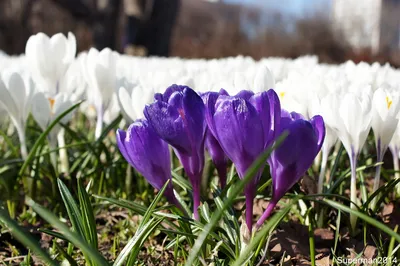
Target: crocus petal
column 148, row 154
column 319, row 128
column 41, row 110
column 239, row 131
column 168, row 124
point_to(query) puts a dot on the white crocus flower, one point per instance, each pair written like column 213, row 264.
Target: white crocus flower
column 133, row 103
column 263, row 80
column 330, row 136
column 385, row 109
column 45, row 110
column 394, row 147
column 16, row 97
column 113, row 110
column 99, row 69
column 351, row 120
column 49, row 58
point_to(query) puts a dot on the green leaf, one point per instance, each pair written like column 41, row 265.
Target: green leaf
column 8, row 140
column 150, row 209
column 90, row 253
column 88, row 219
column 390, row 253
column 72, row 208
column 25, row 238
column 145, row 228
column 364, row 217
column 135, row 243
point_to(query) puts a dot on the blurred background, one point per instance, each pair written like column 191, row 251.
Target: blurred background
column 335, row 30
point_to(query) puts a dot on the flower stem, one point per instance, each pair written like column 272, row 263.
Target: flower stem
column 395, row 154
column 249, row 193
column 222, row 173
column 266, row 213
column 22, row 141
column 196, row 199
column 321, row 177
column 52, row 147
column 353, row 189
column 379, row 152
column 99, row 122
column 64, row 164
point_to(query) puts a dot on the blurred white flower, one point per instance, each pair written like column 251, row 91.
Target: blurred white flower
column 99, row 69
column 46, row 109
column 49, row 58
column 263, row 80
column 16, row 97
column 132, row 103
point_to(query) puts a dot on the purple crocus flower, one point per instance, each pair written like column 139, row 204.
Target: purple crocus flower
column 215, row 150
column 245, row 125
column 177, row 116
column 289, row 161
column 148, row 154
column 218, row 157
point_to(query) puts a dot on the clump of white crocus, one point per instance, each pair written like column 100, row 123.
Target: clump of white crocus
column 385, row 111
column 45, row 110
column 351, row 120
column 132, row 102
column 99, row 69
column 49, row 58
column 16, row 97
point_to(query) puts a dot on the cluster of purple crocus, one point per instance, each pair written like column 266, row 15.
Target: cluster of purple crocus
column 237, row 128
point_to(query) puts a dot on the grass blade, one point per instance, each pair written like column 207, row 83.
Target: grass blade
column 25, row 238
column 73, row 237
column 135, row 242
column 72, row 208
column 88, row 220
column 364, row 217
column 145, row 228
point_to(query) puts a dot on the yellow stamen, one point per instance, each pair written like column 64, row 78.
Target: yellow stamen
column 281, row 94
column 388, row 102
column 51, row 100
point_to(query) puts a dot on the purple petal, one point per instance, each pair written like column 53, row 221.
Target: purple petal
column 210, row 100
column 244, row 94
column 261, row 102
column 319, row 128
column 239, row 131
column 275, row 113
column 147, row 153
column 293, row 157
column 193, row 117
column 171, row 89
column 168, row 124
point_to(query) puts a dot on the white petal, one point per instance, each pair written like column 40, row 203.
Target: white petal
column 41, row 110
column 126, row 103
column 263, row 80
column 16, row 86
column 71, row 48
